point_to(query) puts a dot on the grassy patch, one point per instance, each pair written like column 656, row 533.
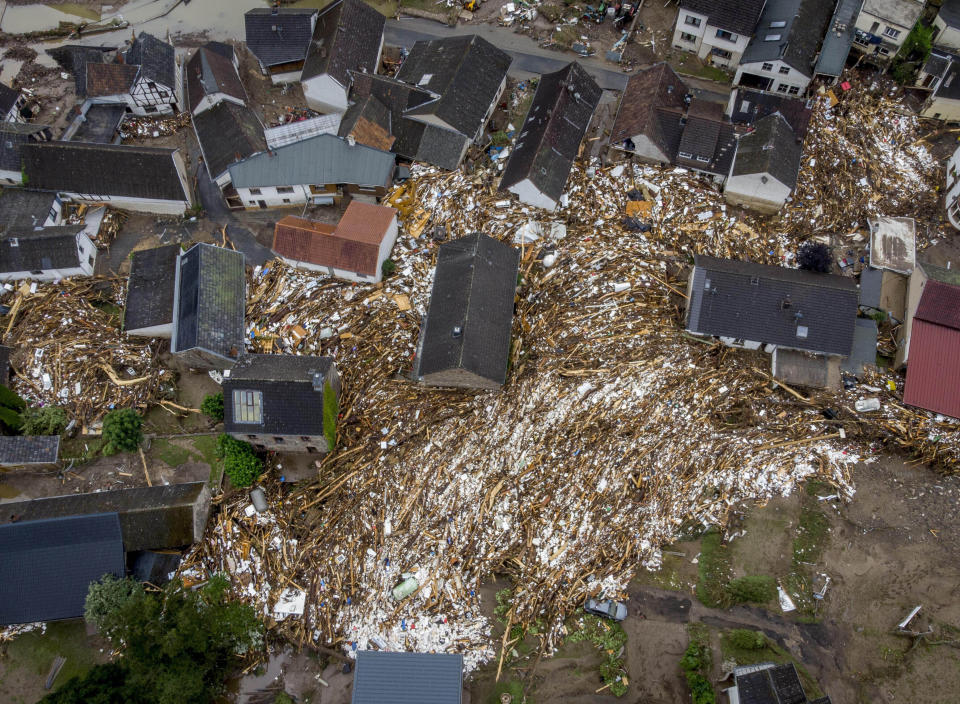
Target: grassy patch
column 754, row 588
column 519, row 113
column 692, row 66
column 35, row 651
column 428, row 5
column 752, row 647
column 173, row 455
column 566, row 36
column 808, row 545
column 696, row 663
column 80, row 448
column 667, row 577
column 713, row 570
column 513, row 688
column 610, row 638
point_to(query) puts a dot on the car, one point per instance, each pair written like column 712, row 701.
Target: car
column 607, row 608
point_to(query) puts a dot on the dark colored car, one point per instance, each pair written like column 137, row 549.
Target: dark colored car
column 607, row 609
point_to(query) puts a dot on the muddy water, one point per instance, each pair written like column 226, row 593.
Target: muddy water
column 8, row 492
column 18, row 19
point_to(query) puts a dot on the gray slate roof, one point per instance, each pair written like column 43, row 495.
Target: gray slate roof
column 8, row 98
column 156, row 59
column 227, row 133
column 47, row 566
column 23, row 249
column 950, row 13
column 750, row 106
column 779, row 684
column 346, row 38
column 211, row 298
column 738, row 16
column 209, row 73
column 771, row 148
column 151, row 518
column 23, row 208
column 279, row 38
column 473, row 289
column 797, row 43
column 551, row 133
column 325, row 158
column 150, row 287
column 5, row 353
column 838, row 39
column 949, row 87
column 18, row 450
column 103, row 169
column 407, row 678
column 292, row 404
column 465, row 72
column 770, row 304
column 13, row 135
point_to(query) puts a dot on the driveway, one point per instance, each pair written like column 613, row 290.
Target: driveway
column 217, row 211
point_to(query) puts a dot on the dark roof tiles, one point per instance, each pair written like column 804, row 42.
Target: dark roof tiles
column 23, row 249
column 209, row 73
column 156, row 59
column 8, row 98
column 647, row 90
column 16, row 450
column 738, row 16
column 940, row 304
column 150, row 288
column 228, row 133
column 281, row 37
column 347, row 37
column 771, row 148
column 407, row 678
column 110, row 79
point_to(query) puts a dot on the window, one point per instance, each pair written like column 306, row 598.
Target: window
column 14, row 242
column 772, row 38
column 90, row 260
column 311, row 450
column 254, row 191
column 150, row 108
column 861, row 39
column 692, row 21
column 766, row 67
column 724, row 34
column 874, row 27
column 794, row 90
column 883, row 51
column 802, row 331
column 277, row 439
column 722, row 53
column 251, row 437
column 778, row 24
column 151, row 85
column 891, row 32
column 284, row 189
column 305, row 438
column 688, row 37
column 684, row 155
column 782, row 88
column 704, row 159
column 247, row 406
column 784, row 70
column 37, row 272
column 286, row 200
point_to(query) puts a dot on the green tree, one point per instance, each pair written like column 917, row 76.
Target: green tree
column 47, row 420
column 122, row 431
column 240, row 463
column 388, row 267
column 10, row 407
column 104, row 684
column 105, row 599
column 212, row 406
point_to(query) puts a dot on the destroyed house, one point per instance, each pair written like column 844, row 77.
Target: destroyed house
column 320, row 170
column 212, row 77
column 659, row 121
column 227, row 133
column 749, row 305
column 209, row 301
column 47, row 566
column 28, row 450
column 354, row 249
column 549, row 139
column 407, row 678
column 158, row 86
column 465, row 336
column 282, row 402
column 46, row 254
column 74, row 59
column 151, row 288
column 781, row 55
column 347, row 37
column 768, row 683
column 765, row 166
column 838, row 40
column 717, row 31
column 12, row 103
column 367, row 121
column 163, row 517
column 279, row 37
column 933, row 374
column 13, row 136
column 144, row 179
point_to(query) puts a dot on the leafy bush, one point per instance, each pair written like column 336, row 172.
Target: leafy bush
column 10, row 407
column 122, row 431
column 103, row 684
column 388, row 267
column 48, row 420
column 745, row 639
column 331, row 408
column 756, row 588
column 239, row 461
column 814, row 256
column 696, row 657
column 10, row 400
column 212, row 406
column 106, row 597
column 701, row 691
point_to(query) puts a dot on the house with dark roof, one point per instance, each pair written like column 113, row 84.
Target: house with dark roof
column 407, row 678
column 162, row 517
column 13, row 135
column 882, row 27
column 549, row 139
column 74, row 59
column 150, row 292
column 353, row 249
column 211, row 77
column 144, row 179
column 279, row 37
column 765, row 166
column 12, row 103
column 22, row 208
column 158, row 88
column 659, row 121
column 781, row 56
column 47, row 566
column 465, row 336
column 933, row 374
column 321, row 170
column 940, row 76
column 838, row 40
column 769, row 683
column 787, row 311
column 347, row 37
column 717, row 31
column 946, row 25
column 208, row 307
column 747, row 106
column 922, row 274
column 46, row 253
column 368, row 122
column 282, row 402
column 227, row 133
column 29, row 450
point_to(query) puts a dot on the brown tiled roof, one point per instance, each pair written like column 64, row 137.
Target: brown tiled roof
column 648, row 90
column 352, row 245
column 372, row 134
column 110, row 79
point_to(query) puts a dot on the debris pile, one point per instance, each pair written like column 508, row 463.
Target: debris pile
column 154, row 126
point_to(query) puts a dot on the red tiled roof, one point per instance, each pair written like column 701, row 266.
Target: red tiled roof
column 933, row 374
column 110, row 79
column 940, row 304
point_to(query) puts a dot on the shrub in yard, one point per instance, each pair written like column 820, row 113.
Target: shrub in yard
column 212, row 406
column 10, row 407
column 388, row 267
column 745, row 639
column 701, row 691
column 122, row 431
column 754, row 588
column 239, row 461
column 49, row 420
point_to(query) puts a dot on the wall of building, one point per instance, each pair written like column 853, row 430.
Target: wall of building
column 312, row 444
column 197, row 358
column 941, row 109
column 952, row 189
column 531, row 195
column 321, row 194
column 693, row 32
column 325, row 94
column 282, row 77
column 646, row 150
column 785, row 79
column 272, row 198
column 11, row 178
column 164, row 331
column 881, row 27
column 209, row 101
column 158, row 99
column 947, row 37
column 915, row 284
column 459, row 378
column 140, row 205
column 750, row 191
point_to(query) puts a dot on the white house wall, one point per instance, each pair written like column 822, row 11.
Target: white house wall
column 751, row 191
column 140, row 205
column 952, row 195
column 164, row 331
column 947, row 37
column 386, row 246
column 781, row 82
column 11, row 178
column 272, row 198
column 645, row 148
column 158, row 100
column 531, row 195
column 209, row 101
column 285, row 77
column 325, row 94
column 942, row 109
column 45, row 275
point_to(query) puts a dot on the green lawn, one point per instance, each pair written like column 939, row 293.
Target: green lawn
column 34, row 652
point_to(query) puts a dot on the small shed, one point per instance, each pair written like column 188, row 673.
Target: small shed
column 29, row 450
column 408, row 678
